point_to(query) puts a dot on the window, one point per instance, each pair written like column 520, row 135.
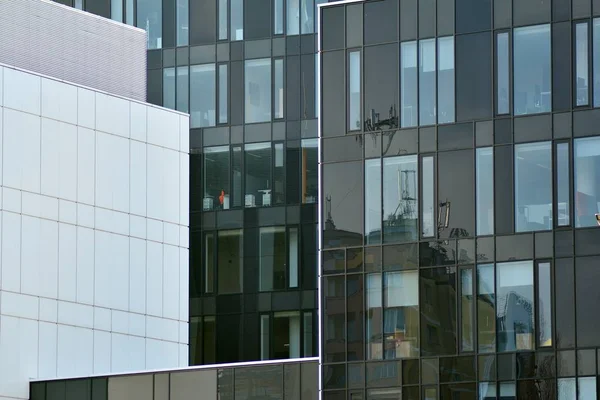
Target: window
column 209, row 338
column 310, row 154
column 272, row 259
column 532, row 72
column 183, row 87
column 129, row 13
column 236, row 186
column 209, row 263
column 428, row 214
column 587, row 187
column 293, row 254
column 484, row 188
column 401, row 314
column 408, row 84
column 596, row 62
column 587, row 388
column 293, row 17
column 373, row 201
column 486, row 303
column 169, row 88
column 79, row 5
column 544, row 297
column 223, row 91
column 503, row 85
column 258, row 174
column 278, row 17
column 258, row 90
column 216, row 178
column 278, row 175
column 515, row 306
column 354, row 91
column 182, row 22
column 264, row 337
column 427, row 68
column 308, row 334
column 533, row 187
column 445, row 84
column 278, row 94
column 229, row 261
column 116, row 10
column 400, row 199
column 487, row 391
column 149, row 18
column 567, row 389
column 581, row 65
column 374, row 317
column 563, row 191
column 223, row 20
column 466, row 309
column 286, row 335
column 307, row 23
column 237, row 20
column 202, row 96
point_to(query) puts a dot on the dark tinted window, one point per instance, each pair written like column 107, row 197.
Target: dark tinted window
column 332, row 32
column 438, row 311
column 257, row 19
column 334, row 110
column 381, row 82
column 473, row 77
column 455, row 185
column 203, row 22
column 588, row 297
column 381, row 21
column 527, row 12
column 503, row 189
column 564, row 300
column 473, row 16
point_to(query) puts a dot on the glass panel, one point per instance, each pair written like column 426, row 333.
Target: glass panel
column 532, row 75
column 209, row 262
column 258, row 174
column 202, row 95
column 278, row 94
column 149, row 18
column 587, row 388
column 116, row 10
column 581, row 64
column 486, row 301
column 533, row 187
column 216, row 178
column 408, row 84
column 515, row 306
column 428, row 214
column 278, row 17
column 487, row 391
column 223, row 20
column 293, row 256
column 223, row 91
column 334, row 327
column 400, row 199
column 258, row 90
column 293, row 17
column 587, row 174
column 237, row 20
column 567, row 389
column 485, row 190
column 596, row 62
column 354, row 95
column 183, row 85
column 544, row 286
column 401, row 319
column 236, row 185
column 272, row 265
column 508, row 391
column 427, row 68
column 169, row 88
column 230, row 257
column 309, row 170
column 182, row 22
column 503, row 86
column 563, row 172
column 308, row 334
column 373, row 201
column 209, row 336
column 374, row 317
column 79, row 5
column 286, row 332
column 264, row 337
column 466, row 309
column 445, row 84
column 307, row 16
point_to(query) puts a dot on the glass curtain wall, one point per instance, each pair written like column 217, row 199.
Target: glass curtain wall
column 149, row 18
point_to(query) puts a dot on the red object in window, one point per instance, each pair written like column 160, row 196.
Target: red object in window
column 222, row 197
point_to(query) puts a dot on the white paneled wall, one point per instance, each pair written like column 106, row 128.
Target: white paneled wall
column 94, row 233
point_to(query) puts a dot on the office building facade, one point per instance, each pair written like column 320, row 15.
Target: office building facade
column 459, row 159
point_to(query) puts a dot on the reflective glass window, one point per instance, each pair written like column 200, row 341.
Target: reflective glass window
column 587, row 388
column 293, row 253
column 116, row 10
column 486, row 303
column 408, row 84
column 334, row 320
column 223, row 98
column 183, row 87
column 445, row 84
column 182, row 22
column 229, row 261
column 236, row 185
column 484, row 188
column 278, row 175
column 373, row 201
column 223, row 20
column 544, row 304
column 209, row 336
column 401, row 314
column 216, row 178
column 264, row 337
column 293, row 17
column 567, row 389
column 508, row 391
column 533, row 187
column 169, row 88
column 79, row 5
column 563, row 191
column 202, row 95
column 374, row 317
column 237, row 20
column 587, row 179
column 272, row 259
column 503, row 85
column 427, row 69
column 258, row 174
column 428, row 214
column 209, row 262
column 400, row 199
column 466, row 309
column 515, row 306
column 596, row 61
column 278, row 17
column 278, row 94
column 286, row 335
column 307, row 23
column 149, row 18
column 581, row 65
column 487, row 391
column 438, row 293
column 354, row 91
column 257, row 103
column 309, row 181
column 129, row 13
column 308, row 334
column 532, row 71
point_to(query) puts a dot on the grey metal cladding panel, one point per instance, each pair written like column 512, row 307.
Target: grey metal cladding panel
column 74, row 46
